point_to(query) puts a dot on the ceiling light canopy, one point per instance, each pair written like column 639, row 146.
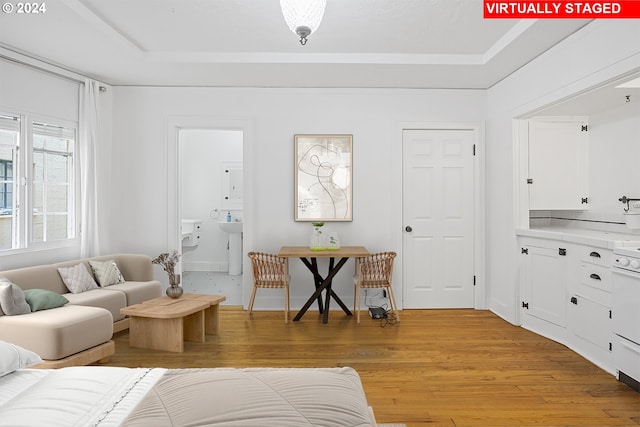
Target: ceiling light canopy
column 303, row 16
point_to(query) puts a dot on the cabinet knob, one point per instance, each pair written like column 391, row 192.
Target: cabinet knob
column 594, row 276
column 408, row 229
column 595, row 254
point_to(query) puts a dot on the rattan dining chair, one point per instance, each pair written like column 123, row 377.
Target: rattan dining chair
column 374, row 272
column 272, row 272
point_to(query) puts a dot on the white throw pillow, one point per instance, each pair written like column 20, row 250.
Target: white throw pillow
column 106, row 272
column 12, row 299
column 77, row 278
column 14, row 357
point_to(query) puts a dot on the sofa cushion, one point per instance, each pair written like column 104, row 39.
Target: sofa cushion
column 138, row 292
column 106, row 272
column 13, row 357
column 43, row 299
column 112, row 300
column 134, row 267
column 12, row 299
column 77, row 278
column 60, row 332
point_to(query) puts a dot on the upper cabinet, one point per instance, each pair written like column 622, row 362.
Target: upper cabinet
column 558, row 156
column 232, row 189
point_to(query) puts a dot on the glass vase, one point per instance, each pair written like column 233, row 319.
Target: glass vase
column 316, row 242
column 174, row 291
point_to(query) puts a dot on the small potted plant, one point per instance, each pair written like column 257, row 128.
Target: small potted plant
column 168, row 262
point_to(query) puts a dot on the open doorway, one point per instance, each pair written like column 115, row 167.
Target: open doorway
column 211, row 193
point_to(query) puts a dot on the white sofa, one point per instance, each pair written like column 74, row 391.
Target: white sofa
column 79, row 332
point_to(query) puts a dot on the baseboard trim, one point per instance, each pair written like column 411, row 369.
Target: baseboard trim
column 220, row 267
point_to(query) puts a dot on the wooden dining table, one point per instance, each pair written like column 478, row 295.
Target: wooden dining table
column 309, row 258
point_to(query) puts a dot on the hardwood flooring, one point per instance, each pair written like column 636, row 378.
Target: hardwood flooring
column 434, row 368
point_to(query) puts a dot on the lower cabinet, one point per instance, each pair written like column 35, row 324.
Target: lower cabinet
column 544, row 280
column 565, row 293
column 591, row 322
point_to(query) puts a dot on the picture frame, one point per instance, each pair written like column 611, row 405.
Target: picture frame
column 323, row 177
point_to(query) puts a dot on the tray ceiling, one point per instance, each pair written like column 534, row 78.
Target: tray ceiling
column 246, row 43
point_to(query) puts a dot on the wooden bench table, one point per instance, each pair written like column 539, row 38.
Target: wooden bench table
column 165, row 323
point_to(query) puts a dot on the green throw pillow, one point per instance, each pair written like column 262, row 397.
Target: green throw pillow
column 42, row 299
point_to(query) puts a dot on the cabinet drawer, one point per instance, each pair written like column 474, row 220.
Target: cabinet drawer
column 595, row 276
column 598, row 256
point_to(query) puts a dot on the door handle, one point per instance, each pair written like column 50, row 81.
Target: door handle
column 408, row 229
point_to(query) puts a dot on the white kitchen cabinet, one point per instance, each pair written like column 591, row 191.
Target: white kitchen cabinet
column 590, row 321
column 589, row 315
column 557, row 159
column 565, row 293
column 543, row 275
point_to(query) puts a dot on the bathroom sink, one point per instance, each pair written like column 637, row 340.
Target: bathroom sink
column 231, row 227
column 235, row 245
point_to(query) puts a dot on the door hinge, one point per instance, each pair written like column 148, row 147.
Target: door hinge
column 525, row 305
column 584, row 128
column 584, row 200
column 524, row 251
column 529, row 180
column 474, row 149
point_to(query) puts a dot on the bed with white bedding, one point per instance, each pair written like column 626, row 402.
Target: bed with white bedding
column 133, row 397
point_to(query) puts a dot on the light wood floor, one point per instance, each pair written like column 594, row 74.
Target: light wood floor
column 435, row 368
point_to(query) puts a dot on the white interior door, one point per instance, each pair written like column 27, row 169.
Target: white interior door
column 438, row 214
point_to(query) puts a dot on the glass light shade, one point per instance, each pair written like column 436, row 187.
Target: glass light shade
column 303, row 13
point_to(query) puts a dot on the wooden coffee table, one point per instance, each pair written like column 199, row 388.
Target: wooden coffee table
column 165, row 323
column 211, row 314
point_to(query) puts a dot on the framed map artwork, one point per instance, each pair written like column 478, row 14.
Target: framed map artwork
column 323, row 178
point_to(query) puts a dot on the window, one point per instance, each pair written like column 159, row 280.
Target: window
column 43, row 212
column 52, row 195
column 9, row 138
column 6, row 186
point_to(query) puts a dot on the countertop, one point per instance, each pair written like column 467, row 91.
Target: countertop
column 601, row 239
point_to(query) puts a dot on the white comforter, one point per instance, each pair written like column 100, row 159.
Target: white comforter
column 110, row 396
column 78, row 396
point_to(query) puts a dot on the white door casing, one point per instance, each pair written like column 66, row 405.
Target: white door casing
column 438, row 208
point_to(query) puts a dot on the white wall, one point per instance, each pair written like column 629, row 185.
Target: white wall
column 203, row 151
column 275, row 115
column 614, row 159
column 597, row 54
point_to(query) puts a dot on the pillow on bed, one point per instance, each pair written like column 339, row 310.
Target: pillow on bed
column 43, row 299
column 77, row 278
column 106, row 272
column 14, row 357
column 12, row 299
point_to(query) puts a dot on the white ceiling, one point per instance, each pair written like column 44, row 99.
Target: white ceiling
column 360, row 43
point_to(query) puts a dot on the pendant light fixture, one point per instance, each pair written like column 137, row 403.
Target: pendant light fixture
column 303, row 16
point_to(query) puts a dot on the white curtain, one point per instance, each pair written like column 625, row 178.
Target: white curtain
column 89, row 236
